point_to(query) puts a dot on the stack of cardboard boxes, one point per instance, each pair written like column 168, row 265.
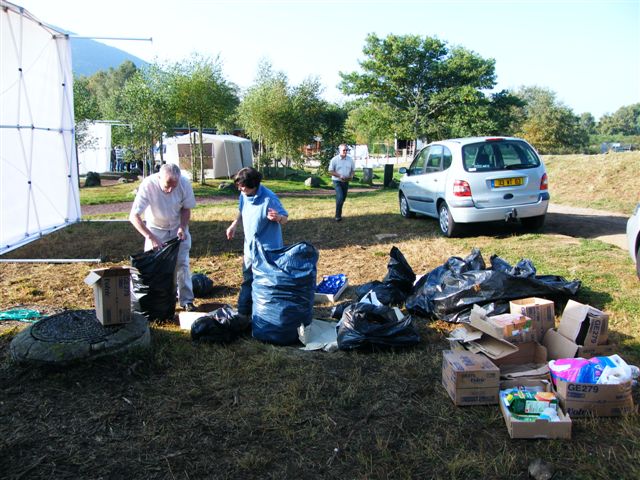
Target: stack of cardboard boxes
column 493, row 353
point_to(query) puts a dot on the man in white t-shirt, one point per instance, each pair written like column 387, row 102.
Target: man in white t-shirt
column 341, row 169
column 166, row 199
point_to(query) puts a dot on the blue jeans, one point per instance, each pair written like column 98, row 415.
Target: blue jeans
column 341, row 195
column 245, row 302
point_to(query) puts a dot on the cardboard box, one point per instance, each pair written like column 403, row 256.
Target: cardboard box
column 476, row 341
column 591, row 399
column 112, row 294
column 470, row 379
column 512, row 327
column 539, row 310
column 540, row 428
column 527, row 353
column 330, row 297
column 559, row 346
column 584, row 324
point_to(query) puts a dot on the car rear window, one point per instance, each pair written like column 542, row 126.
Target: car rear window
column 499, row 155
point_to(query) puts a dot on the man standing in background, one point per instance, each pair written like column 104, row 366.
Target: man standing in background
column 341, row 169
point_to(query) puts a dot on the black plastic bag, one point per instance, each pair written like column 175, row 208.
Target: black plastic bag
column 202, row 285
column 397, row 283
column 223, row 325
column 387, row 293
column 449, row 291
column 154, row 282
column 283, row 291
column 365, row 325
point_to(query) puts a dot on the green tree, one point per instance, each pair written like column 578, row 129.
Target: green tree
column 421, row 82
column 588, row 123
column 282, row 118
column 203, row 97
column 548, row 124
column 146, row 106
column 85, row 110
column 624, row 121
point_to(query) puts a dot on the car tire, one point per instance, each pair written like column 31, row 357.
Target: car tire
column 404, row 207
column 533, row 223
column 448, row 226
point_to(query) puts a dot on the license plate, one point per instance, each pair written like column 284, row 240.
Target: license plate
column 508, row 182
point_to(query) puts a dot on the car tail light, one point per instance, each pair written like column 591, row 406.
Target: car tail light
column 544, row 182
column 461, row 188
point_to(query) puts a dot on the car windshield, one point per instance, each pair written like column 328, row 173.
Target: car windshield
column 498, row 155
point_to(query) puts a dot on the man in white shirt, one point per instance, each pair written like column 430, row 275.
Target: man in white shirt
column 341, row 169
column 166, row 199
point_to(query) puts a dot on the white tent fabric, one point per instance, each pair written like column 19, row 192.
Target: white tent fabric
column 96, row 157
column 224, row 154
column 38, row 166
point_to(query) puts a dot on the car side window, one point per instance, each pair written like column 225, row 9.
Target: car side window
column 417, row 166
column 434, row 161
column 447, row 158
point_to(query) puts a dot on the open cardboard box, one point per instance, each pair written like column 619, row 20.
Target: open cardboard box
column 513, row 327
column 598, row 400
column 330, row 297
column 112, row 294
column 584, row 324
column 559, row 346
column 541, row 312
column 540, row 428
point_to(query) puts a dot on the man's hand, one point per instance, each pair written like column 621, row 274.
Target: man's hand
column 181, row 234
column 231, row 231
column 155, row 241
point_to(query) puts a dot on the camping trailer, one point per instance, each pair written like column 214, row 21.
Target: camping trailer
column 224, row 155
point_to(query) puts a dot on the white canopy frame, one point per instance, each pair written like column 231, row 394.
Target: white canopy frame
column 38, row 163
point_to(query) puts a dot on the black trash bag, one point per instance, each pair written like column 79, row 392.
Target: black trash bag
column 387, row 293
column 202, row 285
column 338, row 310
column 397, row 283
column 450, row 291
column 283, row 291
column 366, row 325
column 153, row 282
column 223, row 325
column 399, row 272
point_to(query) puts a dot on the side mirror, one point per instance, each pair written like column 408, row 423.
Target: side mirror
column 402, row 170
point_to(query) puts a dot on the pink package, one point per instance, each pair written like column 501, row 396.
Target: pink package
column 579, row 370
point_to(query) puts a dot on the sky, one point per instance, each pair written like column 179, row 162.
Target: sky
column 586, row 51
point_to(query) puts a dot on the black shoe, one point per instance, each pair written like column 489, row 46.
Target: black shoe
column 338, row 219
column 190, row 307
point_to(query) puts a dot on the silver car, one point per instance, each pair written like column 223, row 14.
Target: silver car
column 633, row 237
column 478, row 179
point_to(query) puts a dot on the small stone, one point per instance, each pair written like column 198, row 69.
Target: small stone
column 541, row 470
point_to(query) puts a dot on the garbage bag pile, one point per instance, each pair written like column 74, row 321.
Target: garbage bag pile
column 223, row 325
column 283, row 291
column 153, row 292
column 449, row 291
column 202, row 285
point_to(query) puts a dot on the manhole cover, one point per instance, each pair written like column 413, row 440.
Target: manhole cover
column 72, row 326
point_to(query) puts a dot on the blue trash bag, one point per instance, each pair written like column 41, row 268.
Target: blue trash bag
column 283, row 291
column 153, row 282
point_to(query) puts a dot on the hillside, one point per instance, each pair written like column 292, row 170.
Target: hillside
column 90, row 56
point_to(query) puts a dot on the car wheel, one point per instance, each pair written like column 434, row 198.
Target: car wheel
column 533, row 223
column 448, row 227
column 638, row 262
column 404, row 207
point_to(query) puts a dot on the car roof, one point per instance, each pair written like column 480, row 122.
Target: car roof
column 468, row 140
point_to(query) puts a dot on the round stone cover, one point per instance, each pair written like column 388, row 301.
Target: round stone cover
column 75, row 335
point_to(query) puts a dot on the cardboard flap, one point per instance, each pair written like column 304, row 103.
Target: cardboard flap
column 464, row 333
column 558, row 346
column 527, row 370
column 92, row 278
column 492, row 347
column 583, row 324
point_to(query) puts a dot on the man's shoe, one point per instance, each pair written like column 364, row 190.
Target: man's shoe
column 190, row 307
column 338, row 219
